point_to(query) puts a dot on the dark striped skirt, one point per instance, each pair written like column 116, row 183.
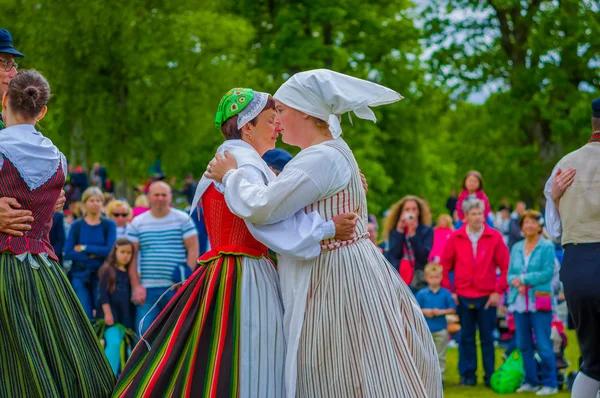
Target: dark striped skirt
column 47, row 345
column 220, row 336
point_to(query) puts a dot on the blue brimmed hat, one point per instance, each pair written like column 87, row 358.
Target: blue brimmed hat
column 6, row 45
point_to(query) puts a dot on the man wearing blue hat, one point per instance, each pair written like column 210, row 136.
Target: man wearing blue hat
column 573, row 215
column 276, row 159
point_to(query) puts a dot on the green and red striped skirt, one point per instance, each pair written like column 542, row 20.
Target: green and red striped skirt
column 220, row 336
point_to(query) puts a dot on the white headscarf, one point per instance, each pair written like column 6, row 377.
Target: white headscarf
column 327, row 95
column 254, row 108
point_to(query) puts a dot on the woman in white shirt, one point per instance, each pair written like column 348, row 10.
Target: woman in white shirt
column 354, row 328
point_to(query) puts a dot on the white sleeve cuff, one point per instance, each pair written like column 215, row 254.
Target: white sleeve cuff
column 227, row 175
column 328, row 230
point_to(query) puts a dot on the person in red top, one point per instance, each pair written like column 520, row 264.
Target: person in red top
column 474, row 253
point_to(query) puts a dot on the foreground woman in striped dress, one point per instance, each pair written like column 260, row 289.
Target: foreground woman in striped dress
column 47, row 345
column 222, row 334
column 354, row 328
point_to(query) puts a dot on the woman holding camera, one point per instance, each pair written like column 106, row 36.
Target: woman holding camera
column 407, row 227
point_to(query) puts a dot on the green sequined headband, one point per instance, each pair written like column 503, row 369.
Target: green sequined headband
column 233, row 103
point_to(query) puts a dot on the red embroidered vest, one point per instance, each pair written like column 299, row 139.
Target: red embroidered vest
column 226, row 231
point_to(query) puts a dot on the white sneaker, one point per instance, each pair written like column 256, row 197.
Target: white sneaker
column 547, row 391
column 528, row 388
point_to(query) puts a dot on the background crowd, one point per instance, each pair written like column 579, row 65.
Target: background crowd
column 478, row 267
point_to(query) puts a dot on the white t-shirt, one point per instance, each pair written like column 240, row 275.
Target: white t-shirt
column 161, row 245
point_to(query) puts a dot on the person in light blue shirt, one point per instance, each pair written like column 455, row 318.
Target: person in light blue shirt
column 436, row 302
column 530, row 274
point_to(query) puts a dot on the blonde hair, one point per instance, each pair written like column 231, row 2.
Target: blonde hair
column 92, row 191
column 396, row 210
column 447, row 219
column 432, row 268
column 142, row 201
column 118, row 203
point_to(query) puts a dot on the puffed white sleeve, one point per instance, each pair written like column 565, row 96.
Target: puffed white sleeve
column 314, row 174
column 298, row 236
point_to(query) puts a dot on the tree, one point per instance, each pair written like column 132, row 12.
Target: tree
column 542, row 55
column 375, row 40
column 133, row 81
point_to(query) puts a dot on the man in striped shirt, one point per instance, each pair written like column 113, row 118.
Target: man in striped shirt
column 165, row 239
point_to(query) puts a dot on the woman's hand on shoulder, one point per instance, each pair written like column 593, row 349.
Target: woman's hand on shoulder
column 562, row 180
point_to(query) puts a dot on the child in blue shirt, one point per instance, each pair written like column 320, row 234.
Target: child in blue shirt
column 436, row 302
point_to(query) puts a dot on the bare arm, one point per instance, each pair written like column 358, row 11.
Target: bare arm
column 139, row 292
column 191, row 245
column 108, row 315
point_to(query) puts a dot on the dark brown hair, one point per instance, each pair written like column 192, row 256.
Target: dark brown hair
column 475, row 174
column 229, row 128
column 28, row 93
column 532, row 215
column 596, row 125
column 108, row 272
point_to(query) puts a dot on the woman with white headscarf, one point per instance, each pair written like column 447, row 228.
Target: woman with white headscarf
column 353, row 327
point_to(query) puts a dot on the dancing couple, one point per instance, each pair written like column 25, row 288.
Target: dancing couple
column 351, row 327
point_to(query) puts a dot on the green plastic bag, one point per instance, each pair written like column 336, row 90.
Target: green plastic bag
column 510, row 375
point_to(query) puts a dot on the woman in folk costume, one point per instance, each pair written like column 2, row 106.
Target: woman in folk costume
column 221, row 335
column 354, row 328
column 48, row 347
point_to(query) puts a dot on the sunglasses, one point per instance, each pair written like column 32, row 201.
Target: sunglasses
column 120, row 214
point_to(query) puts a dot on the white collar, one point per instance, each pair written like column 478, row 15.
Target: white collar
column 34, row 156
column 244, row 154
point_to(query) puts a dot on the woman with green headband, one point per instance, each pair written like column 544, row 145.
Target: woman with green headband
column 222, row 334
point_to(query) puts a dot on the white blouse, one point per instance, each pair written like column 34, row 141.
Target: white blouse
column 315, row 173
column 297, row 236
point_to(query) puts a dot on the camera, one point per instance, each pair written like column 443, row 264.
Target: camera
column 409, row 216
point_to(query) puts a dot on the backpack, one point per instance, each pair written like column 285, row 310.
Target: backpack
column 77, row 229
column 78, row 265
column 510, row 375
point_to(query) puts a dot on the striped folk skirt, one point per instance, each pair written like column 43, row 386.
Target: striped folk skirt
column 47, row 345
column 220, row 336
column 364, row 334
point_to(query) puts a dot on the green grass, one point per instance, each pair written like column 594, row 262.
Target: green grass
column 452, row 376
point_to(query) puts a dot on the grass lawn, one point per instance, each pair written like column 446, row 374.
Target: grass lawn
column 452, row 377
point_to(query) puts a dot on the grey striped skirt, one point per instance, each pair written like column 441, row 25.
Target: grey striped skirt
column 364, row 334
column 47, row 345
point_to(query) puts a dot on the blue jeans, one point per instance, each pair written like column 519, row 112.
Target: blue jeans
column 152, row 296
column 473, row 316
column 86, row 290
column 113, row 337
column 540, row 324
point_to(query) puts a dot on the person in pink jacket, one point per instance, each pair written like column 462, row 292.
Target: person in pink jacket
column 475, row 252
column 472, row 186
column 442, row 232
